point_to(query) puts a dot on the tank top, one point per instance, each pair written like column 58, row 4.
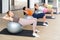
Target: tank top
column 15, row 19
column 45, row 10
column 30, row 13
column 49, row 6
column 39, row 10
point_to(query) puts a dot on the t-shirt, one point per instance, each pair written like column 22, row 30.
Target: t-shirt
column 15, row 19
column 39, row 10
column 45, row 10
column 49, row 6
column 29, row 12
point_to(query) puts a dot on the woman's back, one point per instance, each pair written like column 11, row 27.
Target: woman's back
column 15, row 19
column 29, row 12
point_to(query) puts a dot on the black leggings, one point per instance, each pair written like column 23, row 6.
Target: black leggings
column 41, row 15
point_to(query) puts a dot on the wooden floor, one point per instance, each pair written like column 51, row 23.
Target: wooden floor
column 52, row 32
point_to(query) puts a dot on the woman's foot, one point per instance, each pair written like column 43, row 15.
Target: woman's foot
column 53, row 17
column 45, row 24
column 35, row 35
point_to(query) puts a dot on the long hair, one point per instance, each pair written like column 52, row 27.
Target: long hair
column 34, row 4
column 43, row 4
column 8, row 13
column 24, row 8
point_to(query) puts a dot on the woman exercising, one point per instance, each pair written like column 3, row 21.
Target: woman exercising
column 11, row 17
column 29, row 12
column 38, row 13
column 49, row 9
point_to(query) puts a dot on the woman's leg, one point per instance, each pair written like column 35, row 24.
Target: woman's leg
column 52, row 14
column 28, row 22
column 35, row 15
column 42, row 15
column 44, row 19
column 51, row 11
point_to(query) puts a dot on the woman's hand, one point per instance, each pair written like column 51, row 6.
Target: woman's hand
column 10, row 18
column 7, row 18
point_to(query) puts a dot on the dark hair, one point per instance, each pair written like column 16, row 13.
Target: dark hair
column 34, row 4
column 24, row 8
column 43, row 4
column 8, row 13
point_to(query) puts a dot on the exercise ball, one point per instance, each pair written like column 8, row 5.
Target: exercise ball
column 14, row 27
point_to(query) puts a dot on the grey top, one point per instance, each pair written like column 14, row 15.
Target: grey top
column 15, row 19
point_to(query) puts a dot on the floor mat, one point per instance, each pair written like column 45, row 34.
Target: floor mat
column 49, row 17
column 50, row 13
column 27, row 33
column 40, row 23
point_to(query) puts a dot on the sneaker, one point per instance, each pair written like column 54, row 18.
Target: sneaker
column 45, row 24
column 46, row 21
column 35, row 35
column 53, row 17
column 37, row 30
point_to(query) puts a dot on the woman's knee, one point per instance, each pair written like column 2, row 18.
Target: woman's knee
column 35, row 19
column 44, row 16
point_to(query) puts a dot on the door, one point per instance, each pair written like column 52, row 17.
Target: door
column 0, row 6
column 17, row 4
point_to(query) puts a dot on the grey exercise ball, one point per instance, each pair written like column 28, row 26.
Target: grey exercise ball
column 14, row 27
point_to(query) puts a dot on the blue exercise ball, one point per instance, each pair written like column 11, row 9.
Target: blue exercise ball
column 14, row 27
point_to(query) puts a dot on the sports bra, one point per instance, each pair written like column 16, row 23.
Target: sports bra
column 30, row 13
column 15, row 19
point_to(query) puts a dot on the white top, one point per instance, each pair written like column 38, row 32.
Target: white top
column 40, row 10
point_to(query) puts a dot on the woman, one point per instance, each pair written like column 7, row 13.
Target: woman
column 11, row 17
column 38, row 10
column 39, row 13
column 49, row 9
column 35, row 15
column 30, row 13
column 27, row 12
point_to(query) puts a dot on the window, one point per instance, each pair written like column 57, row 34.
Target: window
column 50, row 1
column 17, row 4
column 43, row 1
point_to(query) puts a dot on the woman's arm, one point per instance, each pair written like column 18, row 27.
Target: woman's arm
column 29, row 11
column 8, row 18
column 36, row 7
column 26, row 12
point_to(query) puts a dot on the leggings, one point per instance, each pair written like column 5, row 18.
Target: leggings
column 41, row 15
column 33, row 21
column 24, row 22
